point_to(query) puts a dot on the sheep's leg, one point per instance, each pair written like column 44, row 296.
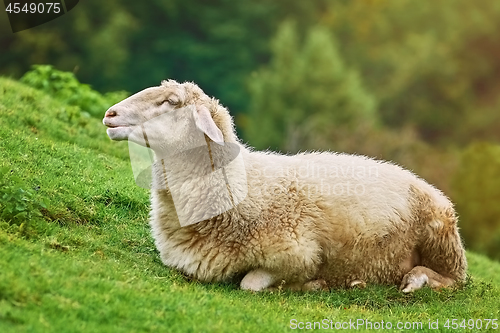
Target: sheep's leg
column 419, row 276
column 257, row 280
column 441, row 258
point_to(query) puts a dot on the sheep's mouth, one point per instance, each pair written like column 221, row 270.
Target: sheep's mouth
column 116, row 126
column 118, row 132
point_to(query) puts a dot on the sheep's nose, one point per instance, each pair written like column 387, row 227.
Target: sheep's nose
column 110, row 113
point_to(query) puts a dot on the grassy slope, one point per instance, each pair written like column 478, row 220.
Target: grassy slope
column 93, row 267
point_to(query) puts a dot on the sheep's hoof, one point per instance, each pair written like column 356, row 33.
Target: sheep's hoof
column 360, row 284
column 412, row 282
column 419, row 276
column 315, row 285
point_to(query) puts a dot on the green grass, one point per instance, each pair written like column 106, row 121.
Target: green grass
column 91, row 265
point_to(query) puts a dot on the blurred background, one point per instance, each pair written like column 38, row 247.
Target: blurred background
column 414, row 82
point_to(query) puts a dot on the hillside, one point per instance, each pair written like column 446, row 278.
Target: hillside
column 89, row 264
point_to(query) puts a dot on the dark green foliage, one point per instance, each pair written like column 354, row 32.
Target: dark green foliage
column 476, row 189
column 306, row 92
column 65, row 87
column 430, row 65
column 124, row 44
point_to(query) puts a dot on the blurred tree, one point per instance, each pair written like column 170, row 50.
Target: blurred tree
column 93, row 41
column 127, row 45
column 476, row 191
column 432, row 64
column 305, row 92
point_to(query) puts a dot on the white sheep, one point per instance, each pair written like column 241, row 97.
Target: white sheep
column 307, row 222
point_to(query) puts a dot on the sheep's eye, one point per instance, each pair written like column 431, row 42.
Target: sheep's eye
column 172, row 101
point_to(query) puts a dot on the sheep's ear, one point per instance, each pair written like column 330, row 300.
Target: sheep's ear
column 207, row 125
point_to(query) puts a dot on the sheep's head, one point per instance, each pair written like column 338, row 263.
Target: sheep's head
column 123, row 118
column 177, row 121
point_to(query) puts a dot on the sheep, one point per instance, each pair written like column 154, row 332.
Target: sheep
column 311, row 221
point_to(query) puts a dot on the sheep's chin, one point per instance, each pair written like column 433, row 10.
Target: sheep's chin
column 119, row 133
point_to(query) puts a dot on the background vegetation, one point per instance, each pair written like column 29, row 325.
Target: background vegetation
column 81, row 258
column 417, row 83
